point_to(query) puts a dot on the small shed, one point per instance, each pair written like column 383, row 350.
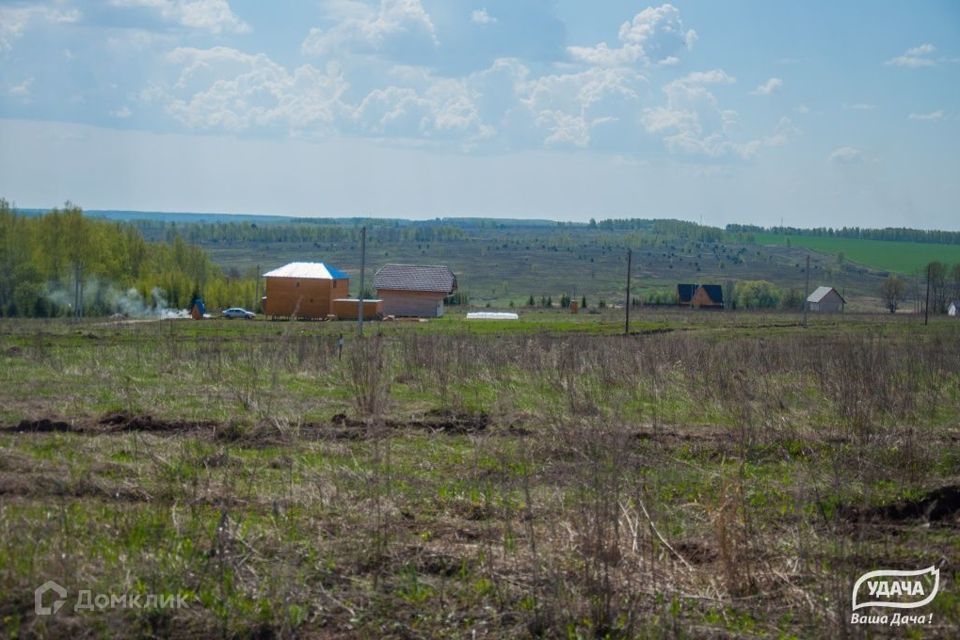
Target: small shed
column 826, row 300
column 414, row 290
column 304, row 290
column 700, row 296
column 348, row 308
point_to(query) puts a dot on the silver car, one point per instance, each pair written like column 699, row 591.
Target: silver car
column 238, row 312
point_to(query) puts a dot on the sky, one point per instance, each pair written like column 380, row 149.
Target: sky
column 813, row 113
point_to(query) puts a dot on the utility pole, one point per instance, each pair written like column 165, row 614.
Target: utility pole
column 806, row 292
column 256, row 301
column 926, row 307
column 626, row 327
column 363, row 266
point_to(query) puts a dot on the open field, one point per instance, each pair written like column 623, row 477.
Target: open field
column 901, row 257
column 714, row 474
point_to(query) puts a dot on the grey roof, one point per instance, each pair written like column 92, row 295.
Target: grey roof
column 410, row 277
column 821, row 292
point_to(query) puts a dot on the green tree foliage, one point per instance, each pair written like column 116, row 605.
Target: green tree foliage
column 44, row 258
column 792, row 299
column 757, row 294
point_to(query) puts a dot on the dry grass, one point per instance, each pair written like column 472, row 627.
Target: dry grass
column 714, row 482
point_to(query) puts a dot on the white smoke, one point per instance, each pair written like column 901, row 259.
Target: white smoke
column 104, row 298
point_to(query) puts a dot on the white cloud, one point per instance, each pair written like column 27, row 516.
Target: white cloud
column 214, row 16
column 782, row 134
column 122, row 113
column 860, row 106
column 933, row 116
column 15, row 19
column 768, row 87
column 21, row 90
column 444, row 109
column 915, row 57
column 693, row 124
column 225, row 88
column 651, row 36
column 480, row 16
column 846, row 156
column 362, row 28
column 569, row 106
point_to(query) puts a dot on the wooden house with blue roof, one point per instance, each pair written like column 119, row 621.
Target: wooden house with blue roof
column 700, row 296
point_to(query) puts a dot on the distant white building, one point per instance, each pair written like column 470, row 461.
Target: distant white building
column 954, row 309
column 826, row 300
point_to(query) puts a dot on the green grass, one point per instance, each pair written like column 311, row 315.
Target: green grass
column 902, row 257
column 732, row 432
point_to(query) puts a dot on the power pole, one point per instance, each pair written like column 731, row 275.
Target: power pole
column 256, row 301
column 806, row 292
column 363, row 265
column 626, row 327
column 926, row 307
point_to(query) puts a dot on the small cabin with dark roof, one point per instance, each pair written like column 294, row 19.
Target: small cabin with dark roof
column 700, row 296
column 414, row 290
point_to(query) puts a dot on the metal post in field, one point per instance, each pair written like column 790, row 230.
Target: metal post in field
column 256, row 300
column 926, row 306
column 363, row 265
column 626, row 326
column 806, row 293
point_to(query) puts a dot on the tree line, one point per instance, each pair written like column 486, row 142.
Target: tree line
column 895, row 234
column 66, row 264
column 306, row 231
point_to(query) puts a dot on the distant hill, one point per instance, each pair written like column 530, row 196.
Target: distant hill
column 499, row 261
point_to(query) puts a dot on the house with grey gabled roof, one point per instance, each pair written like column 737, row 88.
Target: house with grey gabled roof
column 414, row 290
column 825, row 300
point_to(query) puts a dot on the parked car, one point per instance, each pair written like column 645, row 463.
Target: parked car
column 237, row 312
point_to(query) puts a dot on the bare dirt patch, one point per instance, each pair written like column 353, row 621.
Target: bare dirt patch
column 44, row 425
column 345, row 427
column 940, row 505
column 144, row 422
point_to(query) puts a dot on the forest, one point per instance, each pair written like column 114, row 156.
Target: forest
column 50, row 263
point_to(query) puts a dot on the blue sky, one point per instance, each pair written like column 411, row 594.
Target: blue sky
column 814, row 113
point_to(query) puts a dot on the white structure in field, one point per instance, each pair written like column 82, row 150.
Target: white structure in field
column 492, row 315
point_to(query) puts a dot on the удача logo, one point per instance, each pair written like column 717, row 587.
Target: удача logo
column 896, row 589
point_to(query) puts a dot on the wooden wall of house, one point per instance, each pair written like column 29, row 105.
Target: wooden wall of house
column 702, row 299
column 302, row 297
column 420, row 304
column 346, row 309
